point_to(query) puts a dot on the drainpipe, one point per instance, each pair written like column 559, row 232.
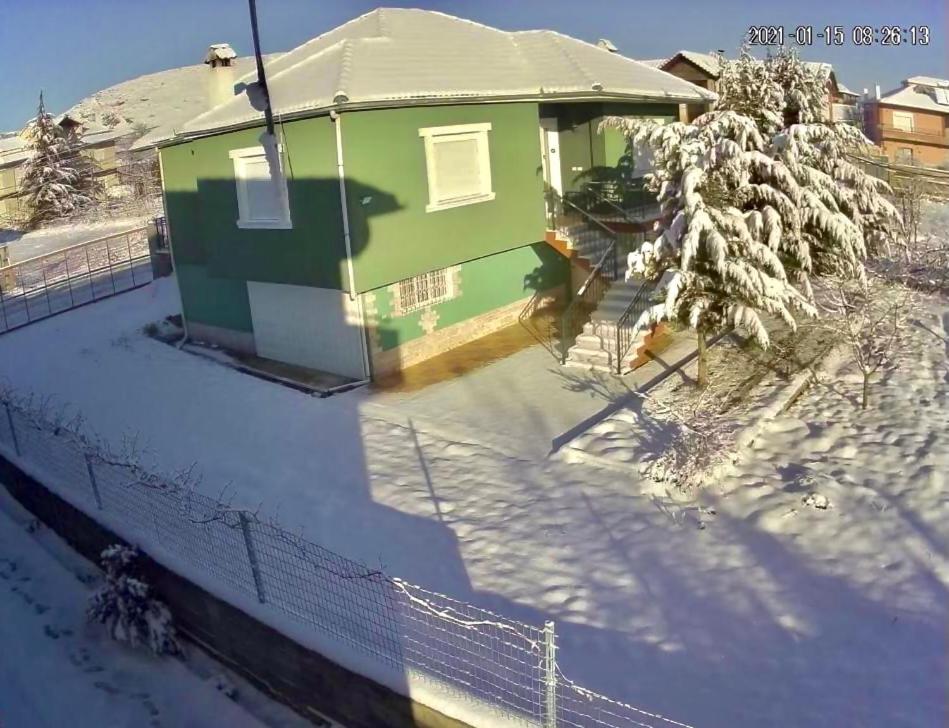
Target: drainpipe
column 347, row 239
column 171, row 249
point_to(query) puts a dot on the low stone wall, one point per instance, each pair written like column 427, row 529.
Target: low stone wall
column 296, row 676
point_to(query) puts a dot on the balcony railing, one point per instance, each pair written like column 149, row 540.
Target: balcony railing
column 940, row 138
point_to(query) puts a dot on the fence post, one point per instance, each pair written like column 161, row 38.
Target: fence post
column 550, row 675
column 252, row 555
column 16, row 443
column 92, row 481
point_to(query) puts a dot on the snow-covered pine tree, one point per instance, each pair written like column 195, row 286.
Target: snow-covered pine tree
column 729, row 213
column 126, row 607
column 844, row 211
column 746, row 87
column 87, row 180
column 50, row 178
column 801, row 86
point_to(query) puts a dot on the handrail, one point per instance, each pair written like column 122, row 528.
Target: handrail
column 589, row 216
column 595, row 271
column 592, row 187
column 73, row 247
column 624, row 330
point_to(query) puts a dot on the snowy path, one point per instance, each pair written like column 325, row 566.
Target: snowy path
column 57, row 670
column 771, row 614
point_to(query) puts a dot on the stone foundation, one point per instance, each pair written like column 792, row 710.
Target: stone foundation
column 442, row 340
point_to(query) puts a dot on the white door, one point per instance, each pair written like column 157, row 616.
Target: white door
column 551, row 151
column 312, row 327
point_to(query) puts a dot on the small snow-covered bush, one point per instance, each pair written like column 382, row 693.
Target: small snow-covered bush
column 125, row 605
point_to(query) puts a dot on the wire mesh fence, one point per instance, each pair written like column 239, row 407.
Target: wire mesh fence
column 504, row 670
column 40, row 287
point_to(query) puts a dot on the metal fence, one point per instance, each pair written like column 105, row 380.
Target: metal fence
column 48, row 284
column 502, row 670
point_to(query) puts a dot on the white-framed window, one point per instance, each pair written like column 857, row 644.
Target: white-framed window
column 458, row 164
column 903, row 120
column 262, row 199
column 904, row 155
column 425, row 289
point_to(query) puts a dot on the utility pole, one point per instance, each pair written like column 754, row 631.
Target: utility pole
column 261, row 76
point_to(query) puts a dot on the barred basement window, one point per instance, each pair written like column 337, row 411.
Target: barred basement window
column 424, row 290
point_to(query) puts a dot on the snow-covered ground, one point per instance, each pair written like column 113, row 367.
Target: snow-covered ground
column 58, row 670
column 23, row 246
column 768, row 612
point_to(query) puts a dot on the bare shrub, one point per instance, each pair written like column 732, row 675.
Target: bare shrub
column 870, row 318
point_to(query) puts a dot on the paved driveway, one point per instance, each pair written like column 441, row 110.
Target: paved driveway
column 527, row 403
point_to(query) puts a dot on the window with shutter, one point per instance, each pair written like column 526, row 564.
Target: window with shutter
column 902, row 121
column 262, row 199
column 459, row 165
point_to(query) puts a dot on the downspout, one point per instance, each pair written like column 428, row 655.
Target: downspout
column 347, row 240
column 171, row 247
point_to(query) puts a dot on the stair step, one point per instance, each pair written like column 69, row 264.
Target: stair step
column 588, row 356
column 593, row 342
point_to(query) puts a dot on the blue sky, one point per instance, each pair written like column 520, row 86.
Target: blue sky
column 72, row 48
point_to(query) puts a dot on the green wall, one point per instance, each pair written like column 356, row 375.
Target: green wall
column 583, row 145
column 202, row 208
column 393, row 237
column 486, row 284
column 213, row 301
column 383, row 150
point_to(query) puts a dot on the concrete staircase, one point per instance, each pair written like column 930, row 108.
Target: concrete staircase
column 595, row 346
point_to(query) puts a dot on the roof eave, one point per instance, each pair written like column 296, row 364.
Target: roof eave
column 705, row 97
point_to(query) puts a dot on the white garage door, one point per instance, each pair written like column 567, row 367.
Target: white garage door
column 312, row 327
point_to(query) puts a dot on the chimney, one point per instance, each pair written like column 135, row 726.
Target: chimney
column 607, row 45
column 220, row 60
column 876, row 91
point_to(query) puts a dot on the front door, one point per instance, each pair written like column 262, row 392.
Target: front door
column 550, row 149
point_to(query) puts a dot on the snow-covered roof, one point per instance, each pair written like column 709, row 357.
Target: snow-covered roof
column 704, row 61
column 12, row 150
column 158, row 102
column 653, row 62
column 919, row 92
column 401, row 57
column 928, row 81
column 846, row 91
column 15, row 149
column 709, row 63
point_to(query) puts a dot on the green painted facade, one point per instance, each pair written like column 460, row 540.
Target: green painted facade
column 213, row 301
column 201, row 197
column 497, row 243
column 484, row 284
column 581, row 143
column 393, row 236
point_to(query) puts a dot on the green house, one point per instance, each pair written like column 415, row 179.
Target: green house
column 402, row 209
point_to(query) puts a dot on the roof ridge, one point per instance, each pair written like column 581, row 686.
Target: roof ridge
column 557, row 38
column 345, row 71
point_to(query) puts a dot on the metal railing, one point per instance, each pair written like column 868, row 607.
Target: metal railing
column 919, row 134
column 504, row 671
column 597, row 283
column 626, row 324
column 40, row 287
column 617, row 201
